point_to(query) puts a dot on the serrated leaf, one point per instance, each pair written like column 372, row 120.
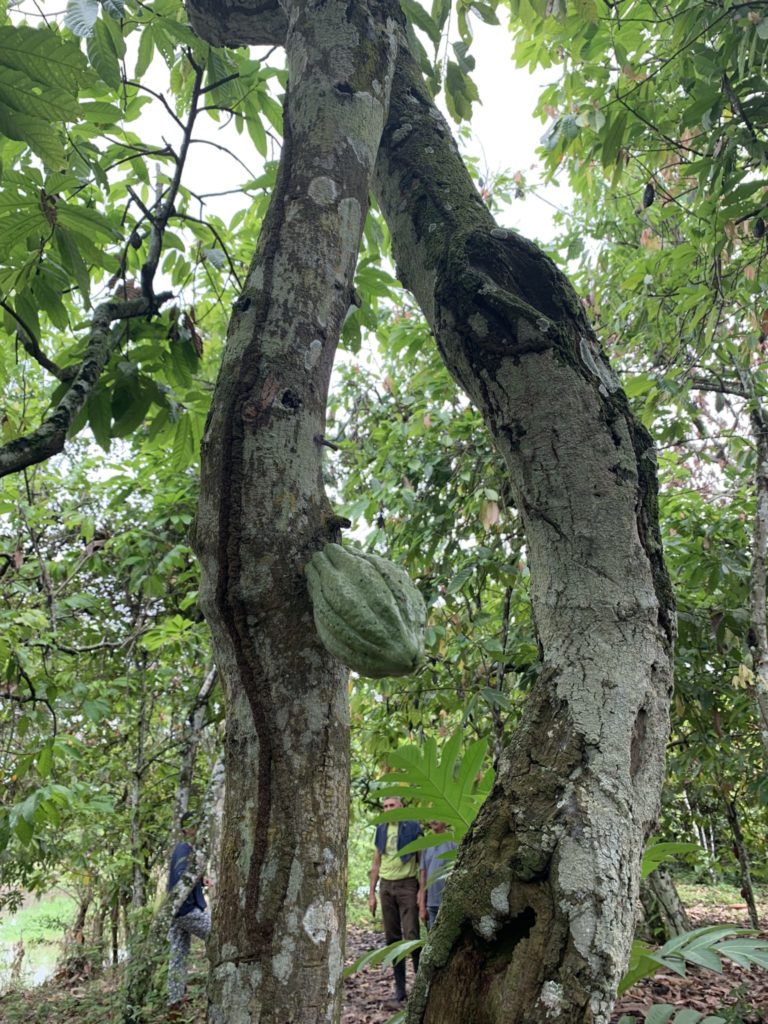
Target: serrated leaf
column 80, row 16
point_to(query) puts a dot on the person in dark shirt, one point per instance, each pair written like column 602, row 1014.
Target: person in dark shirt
column 192, row 917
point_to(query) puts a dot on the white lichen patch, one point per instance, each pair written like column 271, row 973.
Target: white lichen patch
column 350, row 221
column 551, row 997
column 401, row 133
column 312, row 355
column 500, row 898
column 282, row 962
column 320, row 921
column 487, row 926
column 479, row 325
column 298, row 59
column 323, row 190
column 294, row 880
column 593, row 361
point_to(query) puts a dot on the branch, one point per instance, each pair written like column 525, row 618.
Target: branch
column 49, row 438
column 717, row 385
column 165, row 208
column 32, row 346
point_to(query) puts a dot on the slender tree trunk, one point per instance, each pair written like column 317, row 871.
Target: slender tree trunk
column 138, row 886
column 193, row 727
column 538, row 917
column 663, row 912
column 758, row 633
column 742, row 856
column 279, row 920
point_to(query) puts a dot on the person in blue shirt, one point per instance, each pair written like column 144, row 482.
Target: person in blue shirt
column 399, row 887
column 192, row 917
column 430, row 894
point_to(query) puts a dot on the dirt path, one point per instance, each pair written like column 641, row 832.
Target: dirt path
column 741, row 992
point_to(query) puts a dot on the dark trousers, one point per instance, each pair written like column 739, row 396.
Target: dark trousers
column 400, row 914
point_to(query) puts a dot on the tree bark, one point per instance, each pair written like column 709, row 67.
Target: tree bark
column 537, row 919
column 279, row 921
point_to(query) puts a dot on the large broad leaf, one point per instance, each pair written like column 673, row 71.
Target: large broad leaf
column 42, row 56
column 704, row 947
column 441, row 785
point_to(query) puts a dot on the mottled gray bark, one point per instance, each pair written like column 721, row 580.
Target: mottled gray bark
column 277, row 944
column 537, row 919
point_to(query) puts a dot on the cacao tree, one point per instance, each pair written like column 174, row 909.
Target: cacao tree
column 541, row 907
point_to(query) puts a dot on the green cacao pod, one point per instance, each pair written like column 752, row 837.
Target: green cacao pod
column 367, row 611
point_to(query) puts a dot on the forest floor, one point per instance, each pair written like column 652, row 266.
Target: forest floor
column 738, row 996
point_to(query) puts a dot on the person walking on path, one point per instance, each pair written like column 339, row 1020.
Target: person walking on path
column 431, row 862
column 399, row 888
column 192, row 917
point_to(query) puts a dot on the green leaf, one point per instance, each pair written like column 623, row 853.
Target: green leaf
column 81, row 16
column 656, row 853
column 419, row 17
column 24, row 830
column 439, row 785
column 659, row 1014
column 384, row 956
column 146, row 51
column 45, row 760
column 43, row 56
column 73, row 262
column 99, row 407
column 613, row 139
column 103, row 56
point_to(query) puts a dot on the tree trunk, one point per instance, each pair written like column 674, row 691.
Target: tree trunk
column 742, row 856
column 193, row 727
column 279, row 920
column 138, row 885
column 758, row 632
column 664, row 915
column 537, row 919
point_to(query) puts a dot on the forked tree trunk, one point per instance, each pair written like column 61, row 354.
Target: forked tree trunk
column 279, row 919
column 538, row 917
